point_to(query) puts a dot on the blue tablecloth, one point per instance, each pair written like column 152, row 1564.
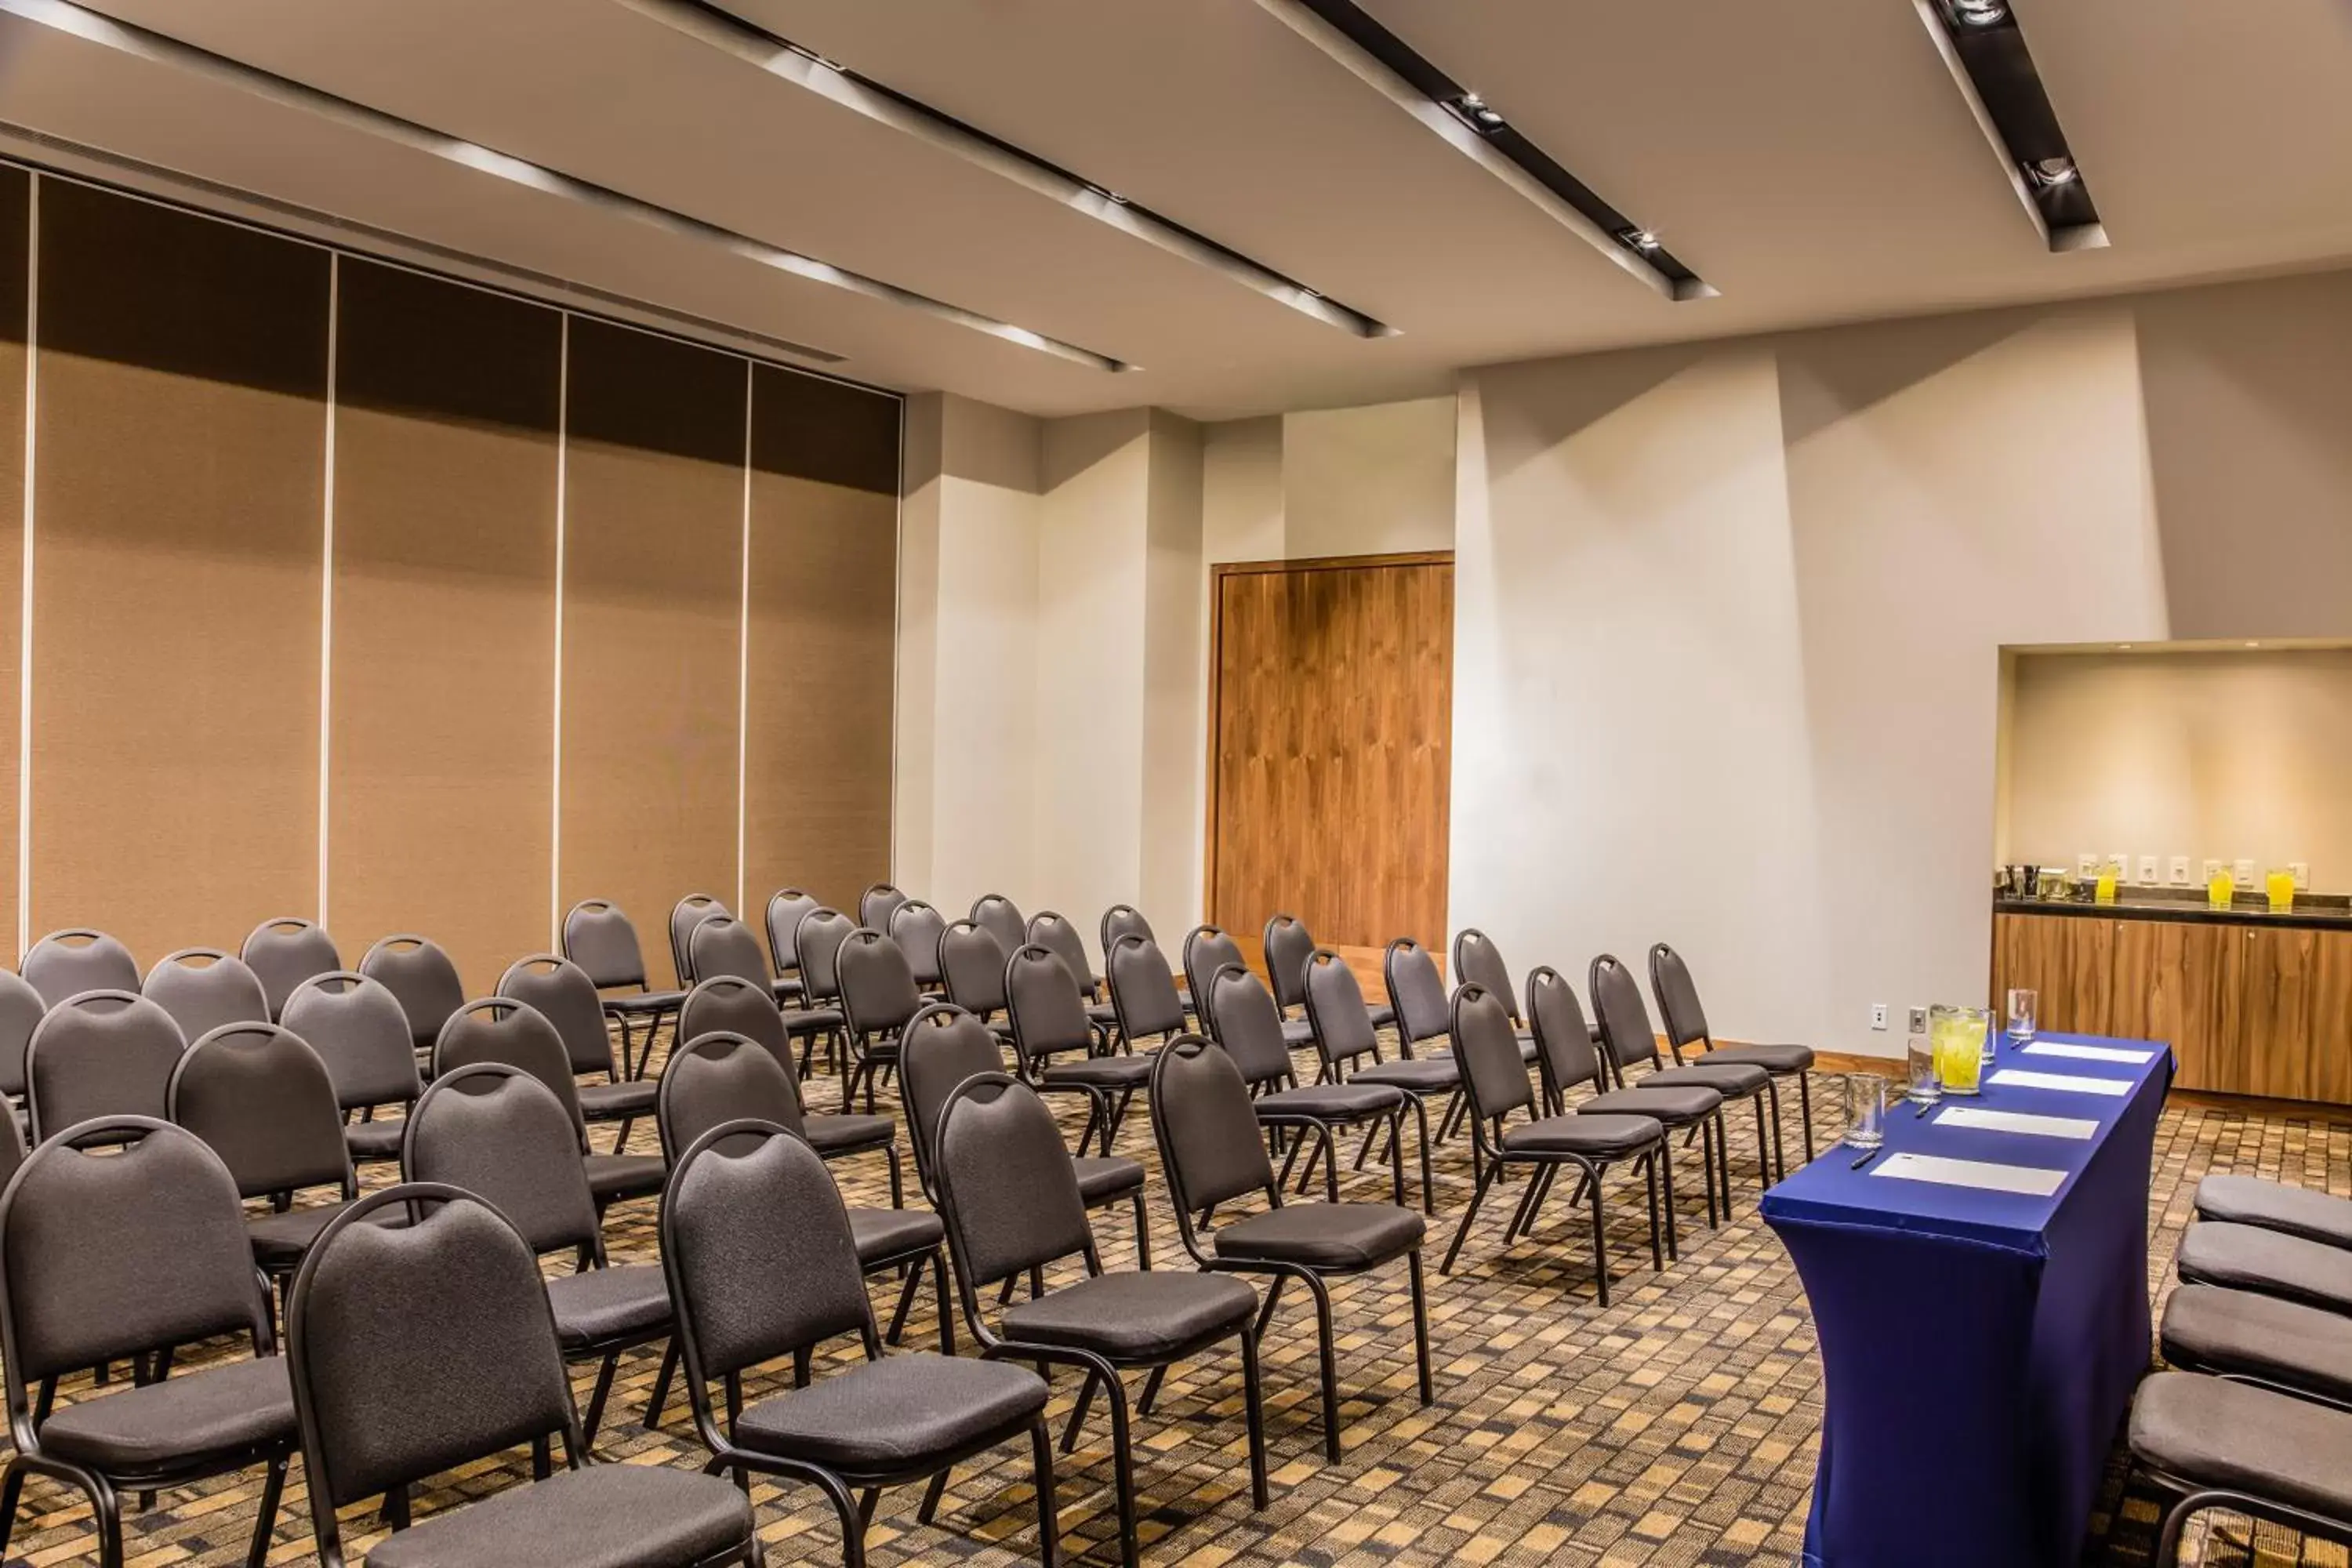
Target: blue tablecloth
column 1979, row 1348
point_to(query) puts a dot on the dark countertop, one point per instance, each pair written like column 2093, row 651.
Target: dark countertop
column 2332, row 915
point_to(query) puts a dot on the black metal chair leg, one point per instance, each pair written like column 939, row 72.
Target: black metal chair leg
column 1599, row 1242
column 1078, row 1411
column 931, row 1497
column 939, row 1291
column 1666, row 1186
column 1329, row 1355
column 1273, row 1299
column 1041, row 1459
column 660, row 1395
column 1805, row 1109
column 1254, row 1403
column 906, row 1302
column 1420, row 1326
column 1650, row 1184
column 1152, row 1381
column 1143, row 1233
column 1486, row 1180
column 853, row 1527
column 273, row 1486
column 1122, row 1455
column 10, row 1492
column 590, row 1422
column 1428, row 1188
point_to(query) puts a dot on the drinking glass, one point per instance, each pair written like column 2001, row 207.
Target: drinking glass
column 2280, row 886
column 2220, row 888
column 1926, row 1086
column 1958, row 1037
column 2023, row 1005
column 1865, row 1110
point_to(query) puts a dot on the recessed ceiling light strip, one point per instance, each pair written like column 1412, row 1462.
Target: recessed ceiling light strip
column 781, row 57
column 1984, row 49
column 1483, row 134
column 138, row 42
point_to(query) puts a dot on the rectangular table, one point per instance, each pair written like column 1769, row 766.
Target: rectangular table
column 1978, row 1347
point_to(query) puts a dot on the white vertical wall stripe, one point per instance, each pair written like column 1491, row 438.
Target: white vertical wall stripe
column 25, row 650
column 743, row 656
column 562, row 464
column 327, row 575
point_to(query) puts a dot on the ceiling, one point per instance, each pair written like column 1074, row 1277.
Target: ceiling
column 1813, row 162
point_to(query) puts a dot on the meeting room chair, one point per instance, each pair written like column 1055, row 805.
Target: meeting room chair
column 68, row 963
column 2259, row 1340
column 1476, row 960
column 2212, row 1443
column 786, row 908
column 1013, row 1208
column 494, row 1131
column 20, row 1014
column 2274, row 1206
column 283, row 952
column 916, row 927
column 413, row 1397
column 683, row 916
column 204, row 988
column 102, row 1053
column 12, row 1140
column 1210, row 1148
column 876, row 904
column 1287, row 945
column 1057, row 935
column 1058, row 1046
column 1349, row 1051
column 422, row 978
column 723, row 946
column 763, row 1264
column 1687, row 1026
column 1628, row 1042
column 121, row 1256
column 566, row 997
column 359, row 1031
column 1209, row 948
column 1424, row 1009
column 879, row 998
column 1001, row 919
column 729, row 1004
column 500, row 1029
column 971, row 973
column 822, row 931
column 724, row 1077
column 1495, row 1082
column 600, row 938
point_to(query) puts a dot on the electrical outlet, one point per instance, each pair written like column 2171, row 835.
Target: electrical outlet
column 2212, row 869
column 2243, row 873
column 2146, row 876
column 2301, row 871
column 2121, row 860
column 2086, row 864
column 1919, row 1020
column 2180, row 870
column 1878, row 1015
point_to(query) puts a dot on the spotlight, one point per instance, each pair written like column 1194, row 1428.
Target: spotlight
column 1640, row 239
column 2060, row 171
column 1976, row 12
column 1476, row 108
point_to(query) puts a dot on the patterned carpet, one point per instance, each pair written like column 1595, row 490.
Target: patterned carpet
column 1676, row 1428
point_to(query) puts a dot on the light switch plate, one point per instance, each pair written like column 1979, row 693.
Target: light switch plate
column 2086, row 864
column 2121, row 860
column 2301, row 871
column 2147, row 878
column 2180, row 870
column 2245, row 873
column 2212, row 869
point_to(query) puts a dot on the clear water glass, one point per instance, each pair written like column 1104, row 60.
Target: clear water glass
column 1865, row 1110
column 2022, row 1005
column 1927, row 1088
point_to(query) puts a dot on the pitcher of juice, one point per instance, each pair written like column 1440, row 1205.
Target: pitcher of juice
column 1956, row 1037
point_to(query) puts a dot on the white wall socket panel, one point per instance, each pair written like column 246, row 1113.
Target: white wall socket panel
column 2147, row 871
column 2245, row 873
column 1919, row 1020
column 2121, row 860
column 2180, row 870
column 2212, row 869
column 2086, row 864
column 1878, row 1015
column 2301, row 871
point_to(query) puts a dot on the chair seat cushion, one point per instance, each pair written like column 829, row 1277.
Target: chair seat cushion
column 636, row 1003
column 615, row 1177
column 889, row 1415
column 1297, row 1032
column 1421, row 1075
column 377, row 1139
column 2209, row 1432
column 831, row 1135
column 618, row 1101
column 811, row 1020
column 279, row 1240
column 215, row 1413
column 1102, row 1178
column 1323, row 1236
column 2273, row 1206
column 784, row 989
column 1381, row 1014
column 1331, row 1101
column 1113, row 1073
column 1670, row 1103
column 606, row 1516
column 1733, row 1081
column 1775, row 1059
column 880, row 1234
column 2207, row 1329
column 598, row 1306
column 2244, row 1257
column 1135, row 1317
column 1595, row 1134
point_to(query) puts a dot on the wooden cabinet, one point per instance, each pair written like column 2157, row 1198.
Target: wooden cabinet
column 2262, row 1010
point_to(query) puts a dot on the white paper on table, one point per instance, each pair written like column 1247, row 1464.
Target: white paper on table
column 2017, row 1122
column 2088, row 1053
column 2026, row 1180
column 2018, row 1077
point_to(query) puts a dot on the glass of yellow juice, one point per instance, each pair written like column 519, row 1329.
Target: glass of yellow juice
column 2219, row 887
column 2280, row 885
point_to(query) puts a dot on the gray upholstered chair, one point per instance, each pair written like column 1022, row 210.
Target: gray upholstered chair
column 763, row 1262
column 2274, row 1206
column 12, row 1140
column 879, row 998
column 1349, row 1050
column 1686, row 1027
column 1477, row 961
column 876, row 904
column 818, row 940
column 285, row 951
column 1209, row 948
column 357, row 1027
column 916, row 927
column 971, row 971
column 567, row 998
column 500, row 1029
column 1120, row 922
column 1013, row 1208
column 599, row 937
column 730, row 1003
column 122, row 1257
column 721, row 946
column 786, row 908
column 1629, row 1042
column 417, row 972
column 1212, row 1154
column 1050, row 930
column 1001, row 918
column 1495, row 1081
column 683, row 916
column 1058, row 1046
column 20, row 1014
column 723, row 1077
column 1289, row 945
column 68, row 963
column 389, row 1391
column 204, row 988
column 2220, row 1443
column 102, row 1053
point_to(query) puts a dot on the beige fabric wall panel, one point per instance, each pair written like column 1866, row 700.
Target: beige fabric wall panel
column 652, row 626
column 179, row 516
column 16, row 197
column 824, row 602
column 441, row 713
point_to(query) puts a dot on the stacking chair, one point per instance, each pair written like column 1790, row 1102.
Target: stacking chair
column 1626, row 1042
column 943, row 1047
column 1050, row 1024
column 916, row 927
column 2217, row 1443
column 715, row 1079
column 763, row 1262
column 285, row 951
column 876, row 904
column 494, row 1131
column 723, row 945
column 113, row 1256
column 359, row 1031
column 731, row 1004
column 567, row 998
column 683, row 916
column 1142, row 993
column 20, row 1014
column 204, row 988
column 1477, row 960
column 1209, row 948
column 1424, row 1012
column 68, row 963
column 1495, row 1081
column 602, row 940
column 423, row 979
column 879, row 998
column 102, row 1053
column 2266, row 1262
column 420, row 1347
column 1013, row 1207
column 1289, row 945
column 2274, row 1206
column 821, row 933
column 1210, row 1150
column 1001, row 919
column 1350, row 1051
column 262, row 1101
column 971, row 971
column 1123, row 920
column 785, row 910
column 1059, row 937
column 2260, row 1339
column 500, row 1029
column 1685, row 1021
column 12, row 1140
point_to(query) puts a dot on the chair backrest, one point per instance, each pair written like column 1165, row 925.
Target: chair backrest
column 68, row 963
column 496, row 1131
column 756, row 1246
column 1477, row 961
column 721, row 944
column 718, row 1078
column 501, row 1029
column 1143, row 989
column 683, row 916
column 1122, row 921
column 1047, row 1009
column 260, row 1098
column 1336, row 1010
column 1005, row 1176
column 102, row 1053
column 821, row 933
column 1564, row 1040
column 916, row 927
column 879, row 994
column 1209, row 1143
column 786, row 909
column 106, row 1255
column 944, row 1046
column 1417, row 993
column 20, row 1014
column 1486, row 1047
column 565, row 996
column 416, row 970
column 1677, row 994
column 415, row 1348
column 1001, row 918
column 1208, row 948
column 1289, row 945
column 602, row 940
column 1242, row 1018
column 730, row 1005
column 12, row 1140
column 359, row 1031
column 285, row 951
column 1624, row 1020
column 971, row 967
column 876, row 904
column 202, row 988
column 1055, row 933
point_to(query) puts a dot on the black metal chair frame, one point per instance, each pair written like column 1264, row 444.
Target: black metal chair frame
column 873, row 1045
column 615, row 1071
column 647, row 1003
column 1335, row 1069
column 1677, row 1037
column 1716, row 1136
column 1032, row 1061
